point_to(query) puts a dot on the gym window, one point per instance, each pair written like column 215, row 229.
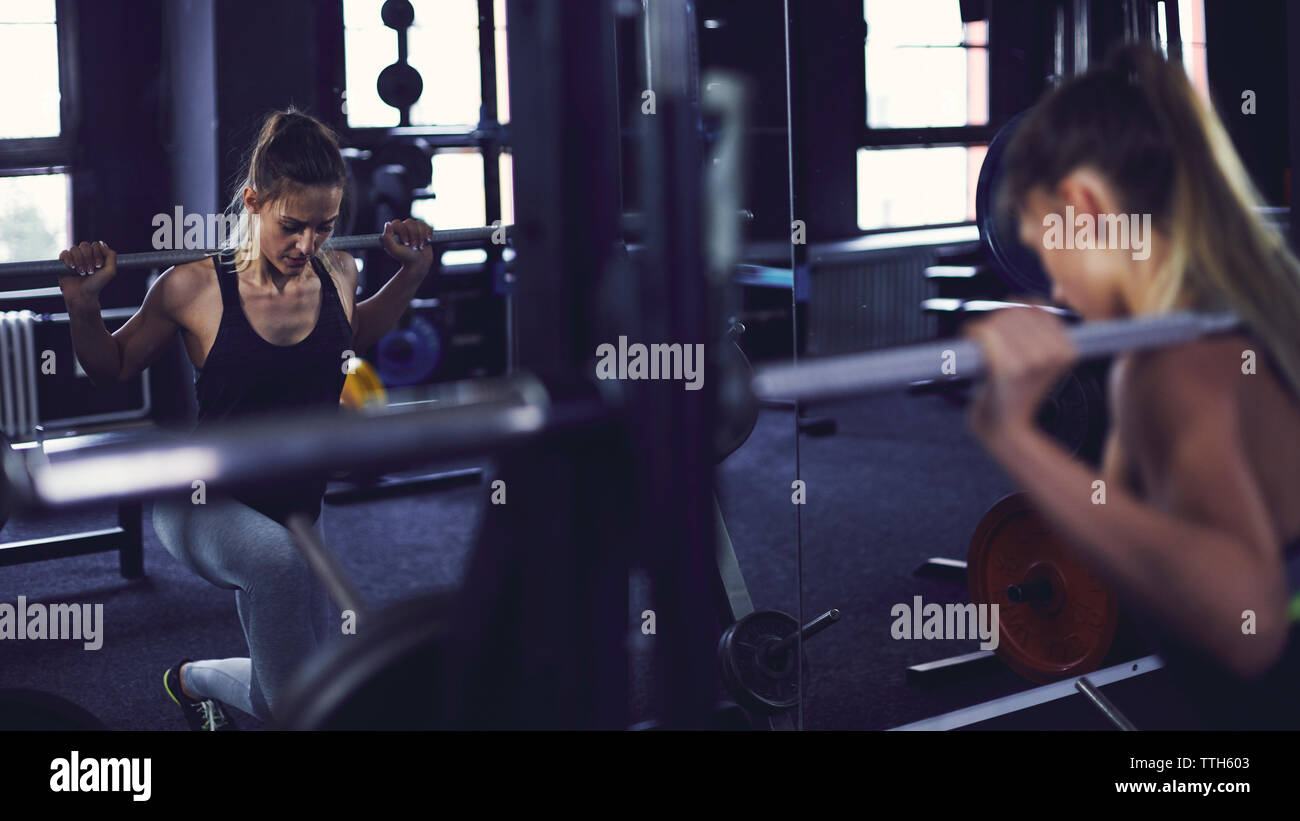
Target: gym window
column 34, row 157
column 928, row 84
column 1191, row 36
column 34, row 214
column 458, row 200
column 460, row 112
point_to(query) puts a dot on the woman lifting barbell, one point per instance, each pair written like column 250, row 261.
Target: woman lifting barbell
column 1199, row 516
column 262, row 337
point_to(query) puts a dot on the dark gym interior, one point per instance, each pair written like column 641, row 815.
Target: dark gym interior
column 777, row 181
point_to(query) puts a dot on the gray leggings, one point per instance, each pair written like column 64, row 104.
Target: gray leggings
column 284, row 611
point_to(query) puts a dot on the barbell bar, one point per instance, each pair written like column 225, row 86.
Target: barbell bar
column 485, row 416
column 633, row 223
column 896, row 368
column 164, row 259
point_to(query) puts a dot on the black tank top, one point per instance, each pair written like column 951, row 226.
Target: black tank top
column 1226, row 702
column 244, row 375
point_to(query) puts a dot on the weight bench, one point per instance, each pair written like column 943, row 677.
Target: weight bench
column 127, row 538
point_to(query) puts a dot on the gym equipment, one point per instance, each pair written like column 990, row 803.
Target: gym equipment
column 1035, row 696
column 397, row 14
column 1091, row 692
column 388, row 677
column 126, row 538
column 362, row 388
column 449, row 420
column 409, row 355
column 1074, row 413
column 163, row 259
column 1016, row 265
column 757, row 659
column 896, row 368
column 1055, row 619
column 737, row 408
column 399, row 85
column 365, row 681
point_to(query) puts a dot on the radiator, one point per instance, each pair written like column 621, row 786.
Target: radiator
column 18, row 364
column 871, row 300
column 41, row 382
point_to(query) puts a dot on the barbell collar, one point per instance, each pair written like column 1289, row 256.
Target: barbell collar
column 896, row 368
column 166, row 259
column 809, row 630
column 1038, row 590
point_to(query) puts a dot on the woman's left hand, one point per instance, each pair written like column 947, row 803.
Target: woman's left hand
column 407, row 241
column 1026, row 352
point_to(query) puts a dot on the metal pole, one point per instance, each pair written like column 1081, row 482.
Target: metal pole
column 1104, row 704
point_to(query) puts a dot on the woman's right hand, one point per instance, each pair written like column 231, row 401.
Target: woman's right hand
column 91, row 266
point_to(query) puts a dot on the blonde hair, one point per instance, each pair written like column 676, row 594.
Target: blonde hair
column 1137, row 119
column 292, row 148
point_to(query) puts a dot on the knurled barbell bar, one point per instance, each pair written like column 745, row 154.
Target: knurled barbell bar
column 632, row 223
column 896, row 368
column 164, row 259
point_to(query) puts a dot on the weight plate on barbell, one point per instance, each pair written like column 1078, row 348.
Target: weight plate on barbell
column 410, row 355
column 397, row 14
column 758, row 681
column 1066, row 633
column 1016, row 265
column 1074, row 413
column 399, row 85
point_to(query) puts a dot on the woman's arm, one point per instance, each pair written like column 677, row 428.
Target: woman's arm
column 1201, row 550
column 117, row 357
column 407, row 242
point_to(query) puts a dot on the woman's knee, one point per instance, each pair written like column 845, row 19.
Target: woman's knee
column 281, row 563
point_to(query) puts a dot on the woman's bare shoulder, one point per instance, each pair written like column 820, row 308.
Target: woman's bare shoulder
column 183, row 284
column 1157, row 394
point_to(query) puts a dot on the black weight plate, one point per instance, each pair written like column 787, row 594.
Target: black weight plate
column 1016, row 265
column 758, row 685
column 397, row 14
column 1074, row 411
column 410, row 355
column 737, row 407
column 399, row 85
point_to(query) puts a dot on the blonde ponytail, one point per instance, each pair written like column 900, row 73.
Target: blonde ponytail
column 1137, row 119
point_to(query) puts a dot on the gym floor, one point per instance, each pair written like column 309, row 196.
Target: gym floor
column 899, row 482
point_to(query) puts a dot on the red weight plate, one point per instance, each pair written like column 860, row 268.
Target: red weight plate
column 1065, row 635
